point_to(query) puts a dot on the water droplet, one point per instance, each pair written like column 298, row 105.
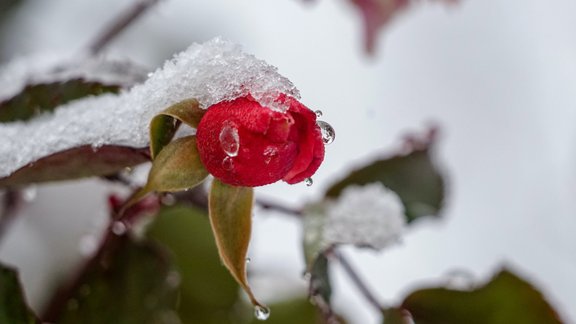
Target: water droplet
column 318, row 113
column 119, row 228
column 328, row 133
column 269, row 153
column 88, row 245
column 308, row 182
column 173, row 279
column 307, row 276
column 227, row 163
column 229, row 139
column 248, row 260
column 168, row 199
column 29, row 194
column 262, row 313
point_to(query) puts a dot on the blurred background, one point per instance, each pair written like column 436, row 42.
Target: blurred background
column 497, row 77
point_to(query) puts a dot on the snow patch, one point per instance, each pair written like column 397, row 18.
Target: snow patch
column 211, row 72
column 367, row 216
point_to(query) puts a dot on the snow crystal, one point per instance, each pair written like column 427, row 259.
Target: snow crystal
column 211, row 72
column 370, row 215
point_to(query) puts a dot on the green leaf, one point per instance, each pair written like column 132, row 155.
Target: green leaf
column 164, row 125
column 79, row 162
column 413, row 177
column 39, row 98
column 208, row 294
column 313, row 220
column 176, row 168
column 230, row 210
column 320, row 285
column 129, row 282
column 13, row 308
column 506, row 299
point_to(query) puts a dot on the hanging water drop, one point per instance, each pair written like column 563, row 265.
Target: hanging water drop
column 29, row 194
column 227, row 163
column 262, row 313
column 328, row 133
column 119, row 228
column 308, row 182
column 318, row 113
column 229, row 139
column 248, row 260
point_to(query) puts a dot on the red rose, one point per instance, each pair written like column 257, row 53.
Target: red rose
column 243, row 143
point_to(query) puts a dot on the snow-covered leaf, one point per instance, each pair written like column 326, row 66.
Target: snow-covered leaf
column 230, row 210
column 127, row 282
column 40, row 98
column 79, row 162
column 211, row 72
column 377, row 14
column 13, row 308
column 164, row 125
column 413, row 177
column 507, row 298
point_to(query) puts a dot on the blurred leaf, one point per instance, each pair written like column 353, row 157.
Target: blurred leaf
column 292, row 311
column 13, row 308
column 313, row 239
column 79, row 162
column 505, row 299
column 413, row 177
column 230, row 210
column 164, row 125
column 128, row 282
column 377, row 14
column 208, row 293
column 40, row 98
column 320, row 285
column 396, row 316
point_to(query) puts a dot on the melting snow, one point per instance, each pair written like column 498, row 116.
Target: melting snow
column 370, row 215
column 211, row 72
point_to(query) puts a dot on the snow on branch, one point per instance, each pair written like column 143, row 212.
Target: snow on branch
column 211, row 72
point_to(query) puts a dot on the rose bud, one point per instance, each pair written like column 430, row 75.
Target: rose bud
column 243, row 143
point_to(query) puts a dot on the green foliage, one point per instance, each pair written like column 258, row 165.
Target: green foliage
column 13, row 308
column 79, row 162
column 40, row 98
column 208, row 294
column 128, row 282
column 413, row 177
column 506, row 299
column 230, row 210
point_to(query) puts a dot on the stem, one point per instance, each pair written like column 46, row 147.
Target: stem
column 11, row 202
column 353, row 274
column 270, row 205
column 119, row 24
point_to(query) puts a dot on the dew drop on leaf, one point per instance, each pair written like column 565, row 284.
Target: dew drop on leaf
column 328, row 133
column 229, row 139
column 248, row 260
column 227, row 163
column 261, row 313
column 119, row 228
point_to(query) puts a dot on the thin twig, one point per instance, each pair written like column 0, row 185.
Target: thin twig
column 120, row 23
column 11, row 200
column 353, row 274
column 270, row 205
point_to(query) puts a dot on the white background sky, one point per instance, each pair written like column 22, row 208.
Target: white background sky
column 498, row 77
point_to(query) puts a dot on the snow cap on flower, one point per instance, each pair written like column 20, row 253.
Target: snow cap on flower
column 369, row 215
column 244, row 143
